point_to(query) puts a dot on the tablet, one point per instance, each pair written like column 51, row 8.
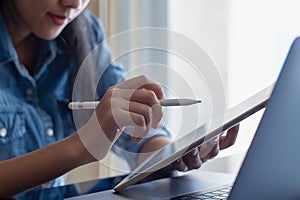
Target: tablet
column 196, row 138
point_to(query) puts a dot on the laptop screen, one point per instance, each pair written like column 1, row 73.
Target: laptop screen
column 271, row 167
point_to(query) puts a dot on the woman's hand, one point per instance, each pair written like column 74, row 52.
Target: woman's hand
column 192, row 160
column 131, row 103
column 209, row 150
column 134, row 102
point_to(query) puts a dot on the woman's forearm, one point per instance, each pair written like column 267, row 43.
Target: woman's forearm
column 38, row 167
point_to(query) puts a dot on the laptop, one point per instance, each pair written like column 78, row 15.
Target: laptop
column 270, row 169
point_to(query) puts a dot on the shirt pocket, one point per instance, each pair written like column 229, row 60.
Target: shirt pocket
column 12, row 132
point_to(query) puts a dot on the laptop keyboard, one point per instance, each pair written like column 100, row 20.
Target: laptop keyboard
column 221, row 193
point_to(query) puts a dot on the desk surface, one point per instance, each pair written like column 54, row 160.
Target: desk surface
column 167, row 187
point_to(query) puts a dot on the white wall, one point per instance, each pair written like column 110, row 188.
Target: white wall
column 248, row 41
column 261, row 32
column 205, row 23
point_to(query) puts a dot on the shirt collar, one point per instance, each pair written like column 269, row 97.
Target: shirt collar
column 8, row 52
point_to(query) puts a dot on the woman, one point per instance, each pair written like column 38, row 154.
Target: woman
column 43, row 44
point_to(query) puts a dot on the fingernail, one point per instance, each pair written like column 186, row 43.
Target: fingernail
column 194, row 152
column 215, row 140
column 200, row 162
column 136, row 139
column 186, row 169
column 155, row 125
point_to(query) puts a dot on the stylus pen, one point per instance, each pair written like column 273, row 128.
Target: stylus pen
column 88, row 105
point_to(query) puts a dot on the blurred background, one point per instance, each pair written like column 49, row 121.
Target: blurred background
column 246, row 40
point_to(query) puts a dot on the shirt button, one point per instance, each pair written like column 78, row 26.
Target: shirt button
column 29, row 91
column 50, row 132
column 3, row 132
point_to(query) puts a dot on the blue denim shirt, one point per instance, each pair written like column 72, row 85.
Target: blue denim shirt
column 33, row 109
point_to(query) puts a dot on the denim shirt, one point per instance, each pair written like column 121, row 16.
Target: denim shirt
column 34, row 109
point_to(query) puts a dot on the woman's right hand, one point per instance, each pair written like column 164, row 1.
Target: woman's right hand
column 134, row 102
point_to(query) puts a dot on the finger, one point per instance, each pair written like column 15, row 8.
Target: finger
column 157, row 115
column 208, row 146
column 180, row 165
column 192, row 159
column 134, row 83
column 136, row 118
column 130, row 113
column 144, row 96
column 123, row 118
column 144, row 83
column 155, row 88
column 138, row 133
column 152, row 115
column 212, row 153
column 230, row 137
column 148, row 97
column 140, row 101
column 142, row 109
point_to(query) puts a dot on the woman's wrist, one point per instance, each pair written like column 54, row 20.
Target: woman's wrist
column 93, row 138
column 77, row 151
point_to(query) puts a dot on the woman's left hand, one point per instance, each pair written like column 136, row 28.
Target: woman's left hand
column 207, row 151
column 192, row 160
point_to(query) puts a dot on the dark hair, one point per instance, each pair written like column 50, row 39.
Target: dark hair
column 76, row 38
